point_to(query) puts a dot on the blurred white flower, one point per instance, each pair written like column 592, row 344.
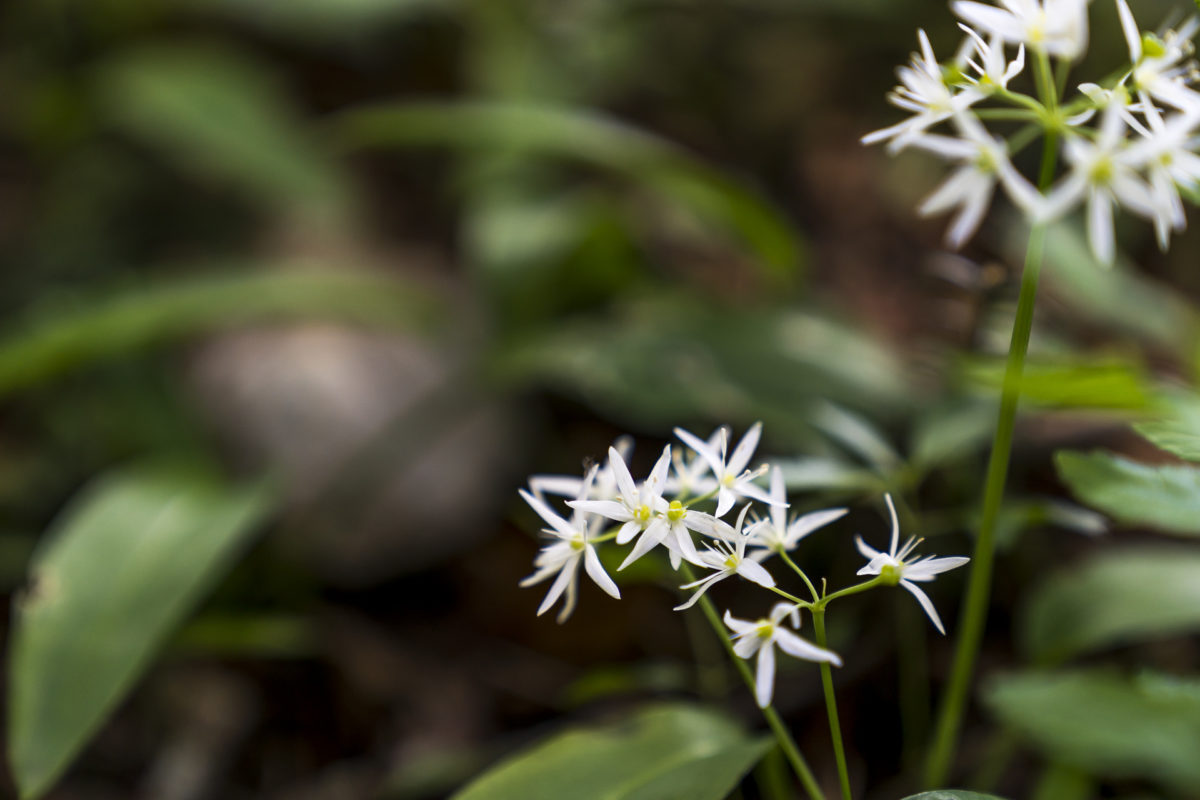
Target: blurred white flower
column 970, row 187
column 897, row 569
column 1103, row 173
column 728, row 558
column 692, row 477
column 924, row 92
column 1166, row 152
column 762, row 635
column 775, row 533
column 1159, row 68
column 562, row 558
column 1055, row 27
column 992, row 69
column 733, row 478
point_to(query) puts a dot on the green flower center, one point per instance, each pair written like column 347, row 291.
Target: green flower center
column 676, row 511
column 642, row 514
column 891, row 573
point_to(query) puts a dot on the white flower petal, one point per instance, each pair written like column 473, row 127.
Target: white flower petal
column 764, row 680
column 926, row 604
column 753, row 571
column 591, row 562
column 798, row 647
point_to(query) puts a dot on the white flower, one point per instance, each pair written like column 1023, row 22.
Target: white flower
column 1105, row 173
column 762, row 635
column 644, row 509
column 1102, row 98
column 992, row 68
column 775, row 533
column 728, row 559
column 971, row 186
column 635, row 506
column 1165, row 151
column 893, row 565
column 604, row 487
column 732, row 476
column 924, row 92
column 562, row 558
column 1056, row 27
column 1157, row 63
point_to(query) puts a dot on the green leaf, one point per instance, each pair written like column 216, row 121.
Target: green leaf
column 1177, row 428
column 118, row 571
column 1104, row 384
column 590, row 138
column 221, row 116
column 1118, row 597
column 59, row 339
column 952, row 794
column 1163, row 497
column 1110, row 725
column 949, row 433
column 663, row 752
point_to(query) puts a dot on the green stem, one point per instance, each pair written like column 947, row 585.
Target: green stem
column 796, row 568
column 835, row 728
column 786, row 743
column 791, row 598
column 974, row 612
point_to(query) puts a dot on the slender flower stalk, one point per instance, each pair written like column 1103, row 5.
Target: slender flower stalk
column 974, row 612
column 835, row 726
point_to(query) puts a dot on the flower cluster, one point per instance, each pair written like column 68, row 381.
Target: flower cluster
column 1129, row 140
column 608, row 507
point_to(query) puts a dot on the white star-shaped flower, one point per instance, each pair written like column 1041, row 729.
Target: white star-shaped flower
column 728, row 558
column 761, row 636
column 992, row 70
column 1055, row 27
column 733, row 478
column 894, row 565
column 924, row 92
column 562, row 558
column 970, row 187
column 635, row 506
column 1159, row 68
column 776, row 533
column 1104, row 173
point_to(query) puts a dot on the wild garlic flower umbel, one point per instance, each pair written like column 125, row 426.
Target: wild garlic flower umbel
column 679, row 507
column 1127, row 141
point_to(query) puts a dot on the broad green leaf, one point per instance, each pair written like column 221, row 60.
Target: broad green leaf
column 1111, row 385
column 1163, row 497
column 220, row 114
column 663, row 752
column 590, row 138
column 952, row 794
column 1118, row 597
column 1107, row 724
column 59, row 339
column 121, row 566
column 827, row 474
column 1177, row 427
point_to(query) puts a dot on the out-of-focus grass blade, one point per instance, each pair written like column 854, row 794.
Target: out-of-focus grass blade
column 57, row 340
column 1163, row 497
column 220, row 115
column 590, row 138
column 248, row 635
column 659, row 753
column 120, row 568
column 1119, row 597
column 856, row 434
column 948, row 433
column 1107, row 724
